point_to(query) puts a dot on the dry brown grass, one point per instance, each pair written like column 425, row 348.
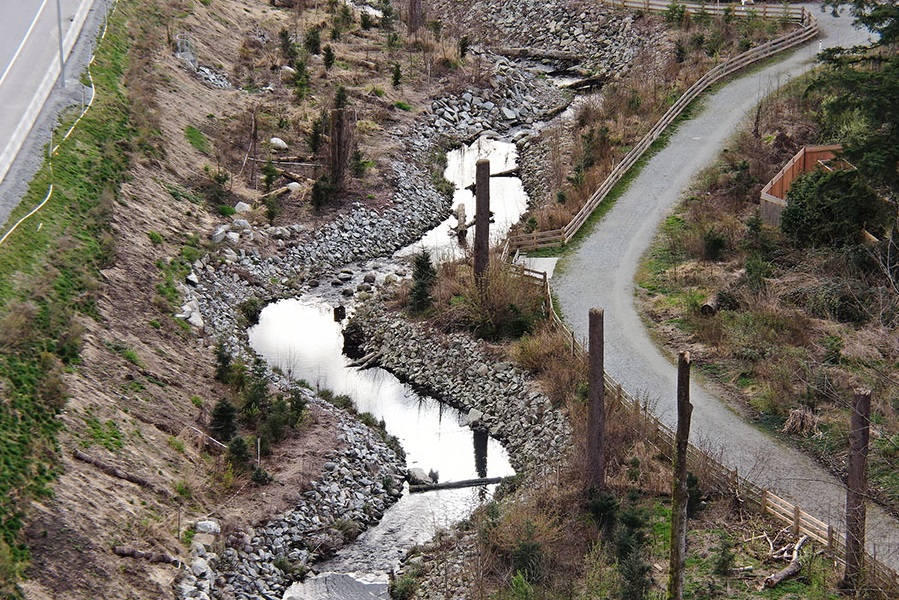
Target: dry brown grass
column 547, row 354
column 506, row 305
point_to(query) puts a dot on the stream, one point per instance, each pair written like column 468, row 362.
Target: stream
column 303, row 339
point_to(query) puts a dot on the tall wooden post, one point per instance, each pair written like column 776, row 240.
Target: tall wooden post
column 481, row 219
column 857, row 488
column 679, row 491
column 596, row 419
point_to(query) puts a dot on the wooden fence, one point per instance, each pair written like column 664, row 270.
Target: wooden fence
column 714, row 474
column 808, row 30
column 773, row 198
column 765, row 11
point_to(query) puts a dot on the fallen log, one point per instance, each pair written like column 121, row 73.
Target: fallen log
column 153, row 557
column 120, row 474
column 792, row 569
column 274, row 193
column 450, row 485
column 366, row 361
column 710, row 306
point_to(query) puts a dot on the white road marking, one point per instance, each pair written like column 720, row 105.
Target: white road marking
column 22, row 43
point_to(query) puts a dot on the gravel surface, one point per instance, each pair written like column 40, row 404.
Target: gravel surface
column 601, row 273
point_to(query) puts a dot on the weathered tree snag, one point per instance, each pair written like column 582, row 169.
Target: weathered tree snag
column 341, row 145
column 679, row 487
column 857, row 488
column 482, row 219
column 116, row 472
column 596, row 463
column 792, row 569
column 416, row 16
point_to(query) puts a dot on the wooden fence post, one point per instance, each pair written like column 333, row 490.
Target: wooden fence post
column 797, row 515
column 764, row 501
column 596, row 403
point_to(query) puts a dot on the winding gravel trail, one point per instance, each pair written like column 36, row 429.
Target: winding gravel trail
column 601, row 272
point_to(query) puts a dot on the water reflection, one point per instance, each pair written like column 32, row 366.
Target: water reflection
column 508, row 200
column 304, row 341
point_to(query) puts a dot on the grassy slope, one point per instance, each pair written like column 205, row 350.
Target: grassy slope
column 47, row 278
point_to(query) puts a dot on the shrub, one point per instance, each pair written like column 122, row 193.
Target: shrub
column 464, row 46
column 315, row 137
column 155, row 237
column 341, row 97
column 323, row 192
column 239, row 453
column 397, row 74
column 675, row 13
column 527, row 556
column 723, row 557
column 251, row 308
column 261, row 477
column 829, row 209
column 288, row 48
column 328, row 56
column 404, row 586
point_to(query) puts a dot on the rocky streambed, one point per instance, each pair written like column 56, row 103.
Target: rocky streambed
column 461, row 371
column 346, row 257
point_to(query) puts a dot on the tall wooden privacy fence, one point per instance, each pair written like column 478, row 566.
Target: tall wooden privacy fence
column 773, row 197
column 714, row 474
column 807, row 31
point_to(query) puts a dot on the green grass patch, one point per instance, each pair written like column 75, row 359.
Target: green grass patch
column 197, row 139
column 105, row 434
column 399, row 104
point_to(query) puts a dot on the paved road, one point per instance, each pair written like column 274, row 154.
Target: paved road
column 601, row 273
column 29, row 64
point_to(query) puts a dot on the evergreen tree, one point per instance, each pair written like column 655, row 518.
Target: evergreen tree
column 223, row 422
column 423, row 277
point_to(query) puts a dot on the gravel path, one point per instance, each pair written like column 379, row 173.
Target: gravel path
column 601, row 273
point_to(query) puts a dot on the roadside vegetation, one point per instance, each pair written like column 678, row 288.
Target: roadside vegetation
column 48, row 283
column 798, row 316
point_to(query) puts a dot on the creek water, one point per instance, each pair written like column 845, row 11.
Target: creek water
column 508, row 200
column 302, row 338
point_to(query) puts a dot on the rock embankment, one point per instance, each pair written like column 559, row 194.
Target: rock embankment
column 360, row 481
column 605, row 40
column 460, row 371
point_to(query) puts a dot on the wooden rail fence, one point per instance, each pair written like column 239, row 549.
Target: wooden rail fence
column 808, row 30
column 713, row 473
